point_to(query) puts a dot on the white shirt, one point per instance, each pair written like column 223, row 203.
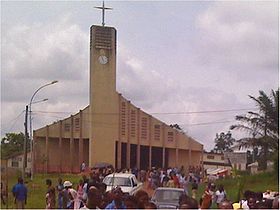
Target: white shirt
column 245, row 205
column 220, row 196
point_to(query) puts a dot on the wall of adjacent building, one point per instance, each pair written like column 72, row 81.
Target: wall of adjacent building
column 57, row 147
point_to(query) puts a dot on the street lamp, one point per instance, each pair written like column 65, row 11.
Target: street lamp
column 26, row 136
column 30, row 121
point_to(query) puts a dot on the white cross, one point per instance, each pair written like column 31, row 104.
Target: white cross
column 103, row 12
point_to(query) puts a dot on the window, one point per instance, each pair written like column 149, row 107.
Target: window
column 117, row 181
column 16, row 159
column 157, row 132
column 123, row 118
column 132, row 123
column 144, row 127
column 67, row 127
column 170, row 136
column 133, row 183
column 77, row 124
column 210, row 157
column 222, row 157
column 15, row 164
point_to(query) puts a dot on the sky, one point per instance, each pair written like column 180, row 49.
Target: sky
column 175, row 60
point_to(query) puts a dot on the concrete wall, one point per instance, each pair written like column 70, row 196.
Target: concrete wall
column 79, row 124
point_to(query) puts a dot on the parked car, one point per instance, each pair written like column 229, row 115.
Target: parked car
column 127, row 182
column 167, row 198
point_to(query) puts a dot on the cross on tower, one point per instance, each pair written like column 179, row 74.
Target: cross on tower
column 103, row 12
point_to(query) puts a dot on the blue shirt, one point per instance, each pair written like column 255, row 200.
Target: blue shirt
column 112, row 205
column 20, row 192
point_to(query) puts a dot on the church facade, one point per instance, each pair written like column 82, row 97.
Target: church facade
column 111, row 129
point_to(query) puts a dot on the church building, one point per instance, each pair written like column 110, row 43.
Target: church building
column 111, row 129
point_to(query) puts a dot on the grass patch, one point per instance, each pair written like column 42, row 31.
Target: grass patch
column 37, row 188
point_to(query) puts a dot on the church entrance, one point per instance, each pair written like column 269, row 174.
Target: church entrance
column 123, row 155
column 156, row 157
column 144, row 157
column 133, row 155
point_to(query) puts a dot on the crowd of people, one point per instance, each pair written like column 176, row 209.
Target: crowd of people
column 90, row 192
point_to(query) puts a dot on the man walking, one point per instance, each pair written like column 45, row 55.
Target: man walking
column 20, row 193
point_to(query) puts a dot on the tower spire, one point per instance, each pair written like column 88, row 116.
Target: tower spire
column 103, row 8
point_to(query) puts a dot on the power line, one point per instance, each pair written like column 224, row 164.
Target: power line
column 202, row 112
column 109, row 124
column 156, row 113
column 209, row 123
column 15, row 120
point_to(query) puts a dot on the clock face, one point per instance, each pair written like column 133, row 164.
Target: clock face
column 103, row 59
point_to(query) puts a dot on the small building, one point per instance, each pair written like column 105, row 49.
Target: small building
column 16, row 161
column 213, row 160
column 238, row 160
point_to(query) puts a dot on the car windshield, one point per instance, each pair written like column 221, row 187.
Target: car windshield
column 117, row 181
column 167, row 195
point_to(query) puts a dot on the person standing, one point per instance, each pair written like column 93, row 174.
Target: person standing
column 80, row 191
column 67, row 201
column 94, row 199
column 185, row 184
column 83, row 166
column 207, row 196
column 59, row 189
column 20, row 193
column 220, row 195
column 50, row 196
column 3, row 194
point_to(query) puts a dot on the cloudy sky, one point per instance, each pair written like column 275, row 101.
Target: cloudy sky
column 174, row 59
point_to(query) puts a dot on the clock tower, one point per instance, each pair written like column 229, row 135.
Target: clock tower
column 103, row 118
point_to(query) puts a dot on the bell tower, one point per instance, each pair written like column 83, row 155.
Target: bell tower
column 103, row 96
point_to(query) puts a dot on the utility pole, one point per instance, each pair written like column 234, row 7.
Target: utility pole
column 25, row 143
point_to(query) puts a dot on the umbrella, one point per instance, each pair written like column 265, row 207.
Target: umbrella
column 102, row 165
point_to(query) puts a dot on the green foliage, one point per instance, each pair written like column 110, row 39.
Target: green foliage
column 235, row 187
column 262, row 126
column 223, row 142
column 240, row 187
column 276, row 163
column 12, row 143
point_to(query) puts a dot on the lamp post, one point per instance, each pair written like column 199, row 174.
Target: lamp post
column 30, row 123
column 26, row 137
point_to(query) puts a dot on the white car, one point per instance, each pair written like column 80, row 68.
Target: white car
column 127, row 182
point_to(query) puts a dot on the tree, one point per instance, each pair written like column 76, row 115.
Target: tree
column 176, row 126
column 12, row 143
column 223, row 142
column 262, row 126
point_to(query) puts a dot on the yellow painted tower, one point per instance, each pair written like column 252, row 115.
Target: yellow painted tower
column 103, row 95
